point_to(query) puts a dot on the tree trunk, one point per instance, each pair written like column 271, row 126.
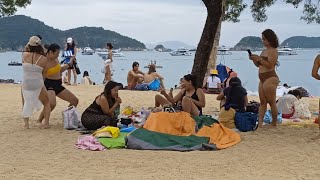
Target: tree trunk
column 213, row 56
column 200, row 64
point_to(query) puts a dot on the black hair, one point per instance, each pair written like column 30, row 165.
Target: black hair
column 295, row 92
column 53, row 48
column 71, row 46
column 85, row 73
column 235, row 86
column 192, row 78
column 214, row 75
column 46, row 46
column 225, row 81
column 36, row 49
column 109, row 45
column 135, row 64
column 107, row 92
column 271, row 37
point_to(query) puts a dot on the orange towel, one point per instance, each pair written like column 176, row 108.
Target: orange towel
column 219, row 135
column 179, row 124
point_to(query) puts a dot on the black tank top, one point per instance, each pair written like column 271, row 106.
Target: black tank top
column 195, row 97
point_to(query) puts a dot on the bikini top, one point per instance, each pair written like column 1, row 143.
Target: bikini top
column 54, row 70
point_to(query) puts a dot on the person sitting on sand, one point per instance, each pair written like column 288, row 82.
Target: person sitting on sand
column 34, row 65
column 286, row 103
column 151, row 80
column 231, row 74
column 234, row 96
column 135, row 76
column 86, row 79
column 53, row 80
column 102, row 112
column 213, row 84
column 315, row 74
column 192, row 98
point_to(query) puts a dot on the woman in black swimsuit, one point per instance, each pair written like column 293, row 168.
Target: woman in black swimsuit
column 102, row 112
column 192, row 98
column 267, row 62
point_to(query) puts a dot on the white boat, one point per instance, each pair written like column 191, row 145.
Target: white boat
column 87, row 51
column 286, row 51
column 224, row 51
column 181, row 52
column 115, row 52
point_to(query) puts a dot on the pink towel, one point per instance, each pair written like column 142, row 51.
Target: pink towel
column 89, row 143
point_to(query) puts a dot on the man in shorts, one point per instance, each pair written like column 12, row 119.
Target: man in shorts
column 315, row 74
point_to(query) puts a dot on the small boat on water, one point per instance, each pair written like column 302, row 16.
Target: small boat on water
column 115, row 52
column 153, row 63
column 181, row 52
column 223, row 51
column 286, row 51
column 14, row 63
column 87, row 51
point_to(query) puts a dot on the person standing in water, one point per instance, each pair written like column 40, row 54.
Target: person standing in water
column 108, row 65
column 269, row 80
column 315, row 74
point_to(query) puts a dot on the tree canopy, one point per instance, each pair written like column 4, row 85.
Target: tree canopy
column 9, row 7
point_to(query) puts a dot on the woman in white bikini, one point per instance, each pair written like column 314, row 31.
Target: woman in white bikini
column 33, row 89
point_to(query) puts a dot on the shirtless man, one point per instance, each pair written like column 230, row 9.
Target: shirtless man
column 153, row 75
column 315, row 74
column 135, row 76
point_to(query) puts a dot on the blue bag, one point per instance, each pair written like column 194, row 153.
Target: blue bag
column 154, row 85
column 268, row 117
column 246, row 121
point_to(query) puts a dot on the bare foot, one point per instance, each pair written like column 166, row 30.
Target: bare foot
column 46, row 126
column 26, row 124
column 39, row 124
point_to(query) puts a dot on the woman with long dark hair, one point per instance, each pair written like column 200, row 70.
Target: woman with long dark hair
column 235, row 95
column 34, row 93
column 191, row 96
column 269, row 80
column 53, row 81
column 102, row 112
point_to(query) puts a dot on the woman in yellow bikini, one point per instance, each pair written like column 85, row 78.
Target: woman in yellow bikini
column 269, row 80
column 53, row 81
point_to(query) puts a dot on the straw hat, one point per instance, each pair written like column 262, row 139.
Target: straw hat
column 214, row 71
column 34, row 41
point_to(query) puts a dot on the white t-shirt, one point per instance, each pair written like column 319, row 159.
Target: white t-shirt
column 213, row 81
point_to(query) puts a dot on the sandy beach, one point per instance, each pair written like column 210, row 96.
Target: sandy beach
column 286, row 152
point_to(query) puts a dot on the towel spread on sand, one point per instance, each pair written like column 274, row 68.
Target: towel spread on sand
column 89, row 143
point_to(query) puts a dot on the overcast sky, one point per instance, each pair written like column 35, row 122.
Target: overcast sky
column 152, row 21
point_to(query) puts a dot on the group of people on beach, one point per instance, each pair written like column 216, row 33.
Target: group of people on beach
column 42, row 83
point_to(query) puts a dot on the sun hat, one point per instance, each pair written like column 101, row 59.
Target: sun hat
column 214, row 71
column 34, row 41
column 69, row 40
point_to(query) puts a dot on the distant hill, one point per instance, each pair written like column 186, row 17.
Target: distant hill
column 302, row 42
column 15, row 31
column 249, row 42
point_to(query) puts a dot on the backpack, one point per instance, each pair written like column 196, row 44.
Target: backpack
column 253, row 106
column 246, row 121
